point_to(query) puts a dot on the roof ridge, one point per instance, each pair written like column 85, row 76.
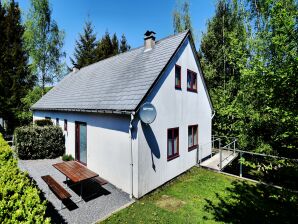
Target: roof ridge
column 136, row 48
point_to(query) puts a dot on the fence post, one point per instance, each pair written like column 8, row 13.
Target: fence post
column 234, row 146
column 240, row 165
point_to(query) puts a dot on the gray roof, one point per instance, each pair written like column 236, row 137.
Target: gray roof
column 118, row 83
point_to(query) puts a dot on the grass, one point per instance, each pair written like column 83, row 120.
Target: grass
column 202, row 196
column 180, row 201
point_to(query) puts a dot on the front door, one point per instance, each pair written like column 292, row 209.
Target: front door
column 81, row 142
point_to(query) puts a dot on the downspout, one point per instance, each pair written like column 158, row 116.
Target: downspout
column 131, row 152
column 213, row 114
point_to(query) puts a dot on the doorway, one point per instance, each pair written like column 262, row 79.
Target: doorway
column 81, row 142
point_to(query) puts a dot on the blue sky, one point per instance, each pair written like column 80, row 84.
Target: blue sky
column 132, row 18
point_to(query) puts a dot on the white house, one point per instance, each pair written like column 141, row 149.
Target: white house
column 98, row 105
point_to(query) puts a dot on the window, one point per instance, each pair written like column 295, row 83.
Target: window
column 48, row 118
column 57, row 121
column 192, row 137
column 191, row 81
column 65, row 125
column 177, row 77
column 173, row 143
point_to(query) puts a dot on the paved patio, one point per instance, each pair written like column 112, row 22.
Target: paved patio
column 105, row 199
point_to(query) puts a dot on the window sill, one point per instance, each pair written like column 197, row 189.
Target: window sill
column 192, row 147
column 192, row 90
column 173, row 157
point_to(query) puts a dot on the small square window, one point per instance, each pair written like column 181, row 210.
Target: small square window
column 191, row 81
column 173, row 143
column 177, row 77
column 65, row 125
column 192, row 137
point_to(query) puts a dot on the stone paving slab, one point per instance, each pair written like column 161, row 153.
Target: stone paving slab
column 105, row 199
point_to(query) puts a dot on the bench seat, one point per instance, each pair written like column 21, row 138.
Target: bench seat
column 60, row 192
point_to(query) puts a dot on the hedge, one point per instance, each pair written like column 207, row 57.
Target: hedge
column 20, row 200
column 34, row 142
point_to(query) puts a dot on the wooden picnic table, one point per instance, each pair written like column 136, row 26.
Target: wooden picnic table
column 75, row 172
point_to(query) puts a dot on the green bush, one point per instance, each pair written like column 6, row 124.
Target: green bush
column 34, row 142
column 66, row 157
column 43, row 122
column 20, row 200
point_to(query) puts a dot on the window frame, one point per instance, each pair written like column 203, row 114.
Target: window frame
column 173, row 156
column 178, row 86
column 192, row 147
column 65, row 124
column 192, row 73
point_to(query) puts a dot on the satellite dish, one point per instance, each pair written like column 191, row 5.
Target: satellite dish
column 147, row 113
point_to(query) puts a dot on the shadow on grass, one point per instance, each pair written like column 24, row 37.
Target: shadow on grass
column 255, row 203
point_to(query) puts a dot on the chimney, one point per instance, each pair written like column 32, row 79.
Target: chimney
column 149, row 40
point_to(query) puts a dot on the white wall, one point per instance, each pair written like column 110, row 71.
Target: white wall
column 108, row 143
column 175, row 108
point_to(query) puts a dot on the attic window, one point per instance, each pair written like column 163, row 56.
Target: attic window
column 177, row 77
column 191, row 81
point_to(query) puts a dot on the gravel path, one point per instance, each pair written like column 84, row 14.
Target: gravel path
column 106, row 199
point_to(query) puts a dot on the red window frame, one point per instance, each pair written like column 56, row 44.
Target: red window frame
column 178, row 68
column 193, row 78
column 194, row 146
column 65, row 125
column 174, row 155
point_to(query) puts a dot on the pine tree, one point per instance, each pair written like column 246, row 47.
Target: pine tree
column 115, row 44
column 85, row 49
column 15, row 78
column 105, row 48
column 123, row 44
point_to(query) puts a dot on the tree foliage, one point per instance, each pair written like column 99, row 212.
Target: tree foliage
column 181, row 17
column 15, row 77
column 85, row 49
column 24, row 114
column 249, row 57
column 44, row 42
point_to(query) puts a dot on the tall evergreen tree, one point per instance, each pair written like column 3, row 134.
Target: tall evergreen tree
column 85, row 49
column 123, row 44
column 44, row 42
column 15, row 78
column 181, row 17
column 115, row 44
column 105, row 48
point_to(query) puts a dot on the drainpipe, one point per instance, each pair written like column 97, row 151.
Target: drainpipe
column 131, row 152
column 213, row 114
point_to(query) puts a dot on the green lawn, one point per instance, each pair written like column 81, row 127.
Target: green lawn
column 202, row 196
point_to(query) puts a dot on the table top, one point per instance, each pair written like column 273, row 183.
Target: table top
column 75, row 171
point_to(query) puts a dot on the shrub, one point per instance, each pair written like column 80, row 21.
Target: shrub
column 66, row 157
column 20, row 200
column 34, row 142
column 43, row 122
